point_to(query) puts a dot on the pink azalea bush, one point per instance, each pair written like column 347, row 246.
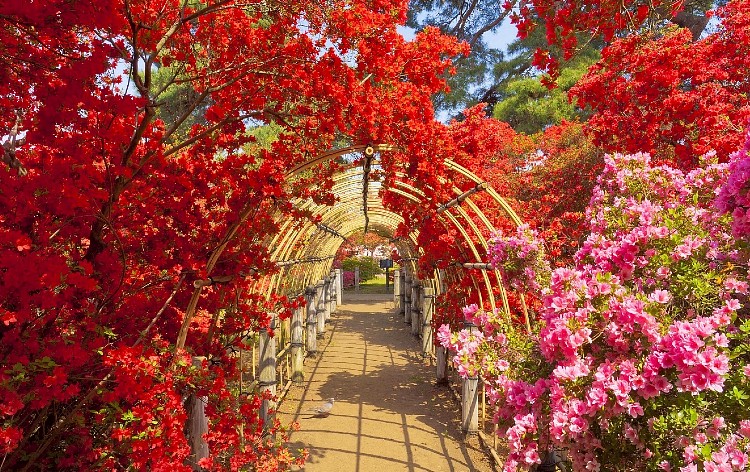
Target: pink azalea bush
column 520, row 259
column 348, row 278
column 641, row 358
column 734, row 196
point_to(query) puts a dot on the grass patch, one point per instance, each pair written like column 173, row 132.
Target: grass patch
column 373, row 286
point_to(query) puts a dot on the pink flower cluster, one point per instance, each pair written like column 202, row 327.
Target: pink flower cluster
column 520, row 259
column 642, row 356
column 734, row 195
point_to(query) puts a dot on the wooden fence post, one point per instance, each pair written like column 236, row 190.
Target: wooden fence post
column 428, row 304
column 339, row 286
column 407, row 299
column 397, row 290
column 331, row 298
column 441, row 362
column 320, row 305
column 312, row 323
column 332, row 292
column 197, row 424
column 267, row 372
column 298, row 357
column 470, row 397
column 402, row 291
column 416, row 326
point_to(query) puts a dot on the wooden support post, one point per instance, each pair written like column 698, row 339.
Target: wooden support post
column 441, row 360
column 298, row 355
column 428, row 303
column 312, row 322
column 331, row 295
column 267, row 372
column 397, row 290
column 407, row 299
column 339, row 286
column 326, row 299
column 197, row 424
column 402, row 291
column 356, row 279
column 416, row 326
column 320, row 307
column 470, row 397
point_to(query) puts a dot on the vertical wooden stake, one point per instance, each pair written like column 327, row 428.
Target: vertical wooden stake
column 297, row 354
column 416, row 326
column 327, row 303
column 332, row 293
column 312, row 324
column 339, row 285
column 407, row 299
column 397, row 290
column 402, row 291
column 320, row 307
column 267, row 366
column 428, row 304
column 254, row 360
column 197, row 424
column 470, row 398
column 441, row 363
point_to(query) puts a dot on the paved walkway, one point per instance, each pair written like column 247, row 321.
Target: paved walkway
column 388, row 415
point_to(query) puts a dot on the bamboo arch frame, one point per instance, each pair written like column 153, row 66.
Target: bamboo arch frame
column 282, row 245
column 326, row 245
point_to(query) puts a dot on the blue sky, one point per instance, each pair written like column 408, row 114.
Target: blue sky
column 498, row 39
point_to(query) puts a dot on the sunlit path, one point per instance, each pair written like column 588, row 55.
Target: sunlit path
column 388, row 416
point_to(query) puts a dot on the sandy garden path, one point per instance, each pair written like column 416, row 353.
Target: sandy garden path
column 388, row 415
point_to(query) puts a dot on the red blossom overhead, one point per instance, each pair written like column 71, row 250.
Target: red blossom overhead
column 566, row 22
column 124, row 190
column 670, row 96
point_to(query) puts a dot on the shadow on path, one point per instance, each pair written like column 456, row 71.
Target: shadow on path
column 388, row 415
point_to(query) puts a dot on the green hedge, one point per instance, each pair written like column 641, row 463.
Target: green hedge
column 368, row 267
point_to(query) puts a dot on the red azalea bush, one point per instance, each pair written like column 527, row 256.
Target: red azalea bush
column 671, row 96
column 133, row 174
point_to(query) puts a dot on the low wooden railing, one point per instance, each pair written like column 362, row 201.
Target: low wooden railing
column 273, row 361
column 415, row 301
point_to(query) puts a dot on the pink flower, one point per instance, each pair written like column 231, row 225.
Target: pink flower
column 690, row 454
column 502, row 365
column 660, row 296
column 745, row 428
column 469, row 311
column 444, row 336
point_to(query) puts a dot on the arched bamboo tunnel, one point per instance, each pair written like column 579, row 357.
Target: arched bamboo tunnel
column 305, row 250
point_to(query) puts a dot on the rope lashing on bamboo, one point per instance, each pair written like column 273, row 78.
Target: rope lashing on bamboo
column 457, row 201
column 332, row 231
column 366, row 167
